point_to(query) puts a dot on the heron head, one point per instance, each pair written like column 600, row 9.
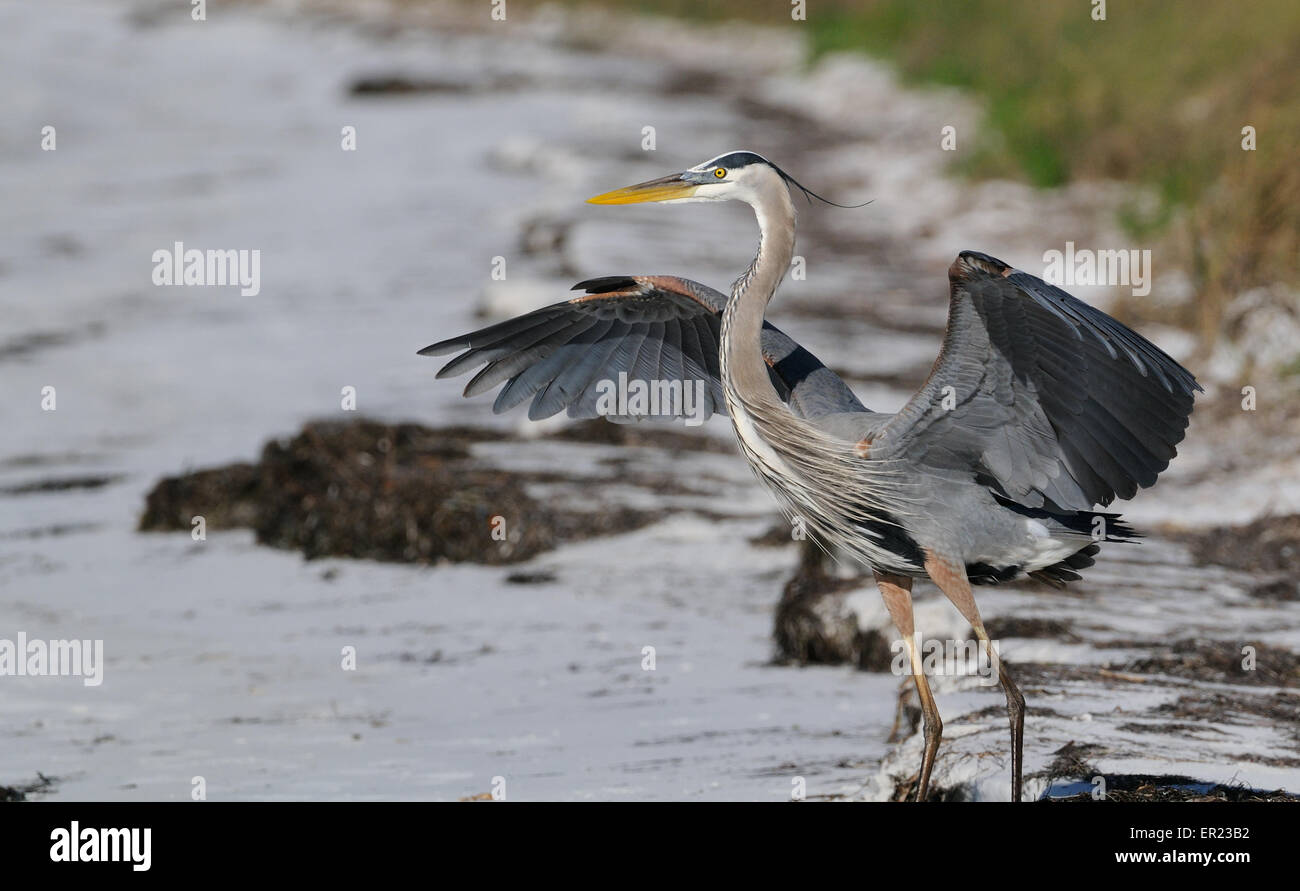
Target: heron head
column 735, row 176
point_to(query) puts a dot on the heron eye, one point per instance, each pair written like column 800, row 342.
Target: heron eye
column 720, row 173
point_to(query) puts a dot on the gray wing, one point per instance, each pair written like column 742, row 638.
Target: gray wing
column 1052, row 402
column 653, row 328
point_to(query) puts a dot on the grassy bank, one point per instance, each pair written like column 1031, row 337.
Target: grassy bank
column 1157, row 94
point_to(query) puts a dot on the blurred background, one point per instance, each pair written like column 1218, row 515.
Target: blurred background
column 409, row 170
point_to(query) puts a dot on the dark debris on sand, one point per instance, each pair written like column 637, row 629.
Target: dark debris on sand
column 1237, row 707
column 656, row 436
column 1073, row 765
column 1173, row 788
column 1269, row 544
column 41, row 784
column 1223, row 662
column 394, row 492
column 813, row 626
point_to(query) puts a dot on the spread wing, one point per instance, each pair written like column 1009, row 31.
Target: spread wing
column 653, row 328
column 1048, row 400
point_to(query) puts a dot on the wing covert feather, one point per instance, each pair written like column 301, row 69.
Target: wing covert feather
column 653, row 328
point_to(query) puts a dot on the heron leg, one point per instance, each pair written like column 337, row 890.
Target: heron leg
column 951, row 579
column 897, row 594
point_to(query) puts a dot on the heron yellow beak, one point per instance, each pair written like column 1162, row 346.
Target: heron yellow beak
column 666, row 188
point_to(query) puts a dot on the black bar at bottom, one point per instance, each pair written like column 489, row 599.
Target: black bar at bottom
column 334, row 840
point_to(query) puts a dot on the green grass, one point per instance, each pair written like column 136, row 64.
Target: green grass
column 1157, row 94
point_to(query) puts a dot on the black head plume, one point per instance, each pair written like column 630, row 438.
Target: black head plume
column 736, row 160
column 809, row 193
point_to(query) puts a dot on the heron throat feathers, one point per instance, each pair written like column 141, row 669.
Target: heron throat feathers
column 742, row 321
column 812, row 474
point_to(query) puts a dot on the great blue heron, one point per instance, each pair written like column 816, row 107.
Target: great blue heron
column 1038, row 409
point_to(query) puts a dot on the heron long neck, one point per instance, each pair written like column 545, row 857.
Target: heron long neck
column 847, row 500
column 743, row 368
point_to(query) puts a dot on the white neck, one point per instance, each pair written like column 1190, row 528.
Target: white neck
column 743, row 367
